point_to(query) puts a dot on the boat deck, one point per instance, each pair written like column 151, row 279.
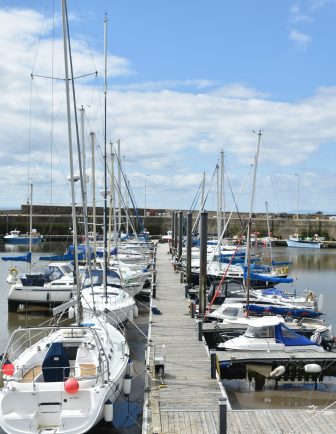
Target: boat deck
column 185, row 399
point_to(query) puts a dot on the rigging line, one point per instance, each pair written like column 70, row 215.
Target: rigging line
column 204, row 200
column 227, row 222
column 193, row 204
column 63, row 79
column 233, row 196
column 313, row 417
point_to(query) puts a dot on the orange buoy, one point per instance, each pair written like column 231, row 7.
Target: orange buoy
column 8, row 369
column 71, row 386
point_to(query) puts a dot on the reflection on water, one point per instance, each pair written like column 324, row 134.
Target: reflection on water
column 242, row 395
column 22, row 248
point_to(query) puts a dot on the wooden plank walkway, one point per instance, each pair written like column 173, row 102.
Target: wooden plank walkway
column 185, row 401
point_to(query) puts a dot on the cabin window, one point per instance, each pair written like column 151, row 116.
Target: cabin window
column 231, row 312
column 260, row 332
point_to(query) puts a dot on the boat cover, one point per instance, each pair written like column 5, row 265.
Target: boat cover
column 22, row 258
column 289, row 337
column 56, row 366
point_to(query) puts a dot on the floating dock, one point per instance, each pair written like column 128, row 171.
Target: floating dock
column 181, row 397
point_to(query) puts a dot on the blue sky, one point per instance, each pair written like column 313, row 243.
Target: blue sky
column 187, row 79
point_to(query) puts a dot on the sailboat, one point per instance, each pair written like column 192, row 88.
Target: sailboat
column 62, row 379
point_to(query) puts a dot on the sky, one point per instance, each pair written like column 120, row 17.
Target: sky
column 186, row 79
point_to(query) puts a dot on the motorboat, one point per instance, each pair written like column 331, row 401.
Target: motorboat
column 270, row 333
column 15, row 237
column 312, row 243
column 60, row 379
column 51, row 287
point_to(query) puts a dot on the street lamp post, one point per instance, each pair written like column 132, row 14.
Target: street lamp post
column 298, row 195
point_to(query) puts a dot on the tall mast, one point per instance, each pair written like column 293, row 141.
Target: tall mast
column 222, row 193
column 119, row 189
column 249, row 225
column 94, row 232
column 73, row 205
column 269, row 233
column 30, row 221
column 105, row 156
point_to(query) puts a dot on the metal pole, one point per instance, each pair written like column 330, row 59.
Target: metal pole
column 213, row 357
column 173, row 233
column 200, row 329
column 180, row 235
column 175, row 230
column 189, row 227
column 203, row 262
column 222, row 415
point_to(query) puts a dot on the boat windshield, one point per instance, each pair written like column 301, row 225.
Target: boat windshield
column 260, row 332
column 230, row 312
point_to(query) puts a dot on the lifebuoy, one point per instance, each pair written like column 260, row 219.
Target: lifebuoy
column 13, row 271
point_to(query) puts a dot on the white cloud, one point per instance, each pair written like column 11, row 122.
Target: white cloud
column 301, row 39
column 173, row 130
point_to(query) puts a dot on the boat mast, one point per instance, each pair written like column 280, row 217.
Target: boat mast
column 94, row 232
column 30, row 222
column 105, row 159
column 269, row 233
column 72, row 182
column 249, row 226
column 119, row 189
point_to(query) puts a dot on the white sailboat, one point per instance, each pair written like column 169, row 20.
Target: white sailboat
column 61, row 379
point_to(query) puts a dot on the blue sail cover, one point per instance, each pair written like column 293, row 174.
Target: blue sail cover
column 68, row 255
column 290, row 338
column 283, row 311
column 22, row 258
column 269, row 278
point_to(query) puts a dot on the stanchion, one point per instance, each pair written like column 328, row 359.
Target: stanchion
column 200, row 329
column 193, row 309
column 222, row 415
column 213, row 363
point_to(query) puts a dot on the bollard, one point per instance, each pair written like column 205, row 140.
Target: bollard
column 200, row 329
column 154, row 290
column 154, row 277
column 222, row 415
column 186, row 291
column 181, row 277
column 213, row 364
column 193, row 309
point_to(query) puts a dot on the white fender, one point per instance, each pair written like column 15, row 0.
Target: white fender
column 313, row 368
column 135, row 311
column 71, row 312
column 126, row 388
column 278, row 372
column 108, row 411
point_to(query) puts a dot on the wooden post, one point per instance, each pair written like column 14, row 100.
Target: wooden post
column 213, row 364
column 222, row 415
column 203, row 263
column 180, row 237
column 189, row 227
